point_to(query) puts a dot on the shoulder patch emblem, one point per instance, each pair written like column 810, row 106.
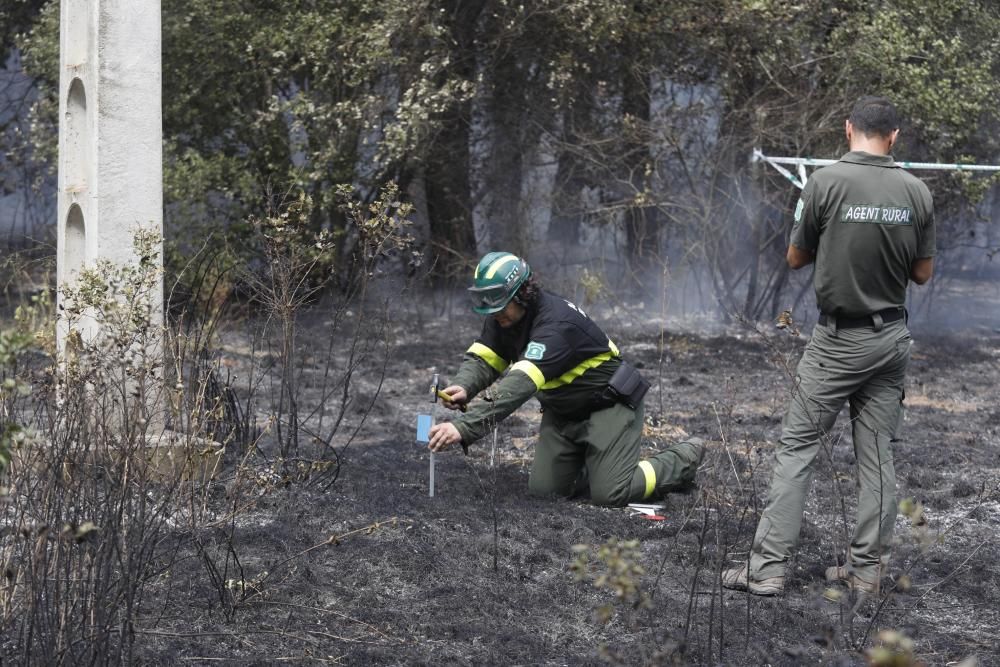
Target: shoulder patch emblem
column 535, row 351
column 798, row 210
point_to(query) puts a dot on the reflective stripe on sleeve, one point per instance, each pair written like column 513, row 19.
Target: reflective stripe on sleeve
column 531, row 371
column 650, row 475
column 579, row 370
column 489, row 356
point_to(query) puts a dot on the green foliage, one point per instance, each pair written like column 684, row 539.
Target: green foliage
column 613, row 566
column 920, row 530
column 285, row 96
column 295, row 261
column 382, row 225
column 301, row 95
column 12, row 345
column 40, row 51
column 793, row 61
column 15, row 16
column 36, row 318
column 894, row 649
column 287, row 232
column 103, row 411
column 32, row 330
column 593, row 285
column 938, row 60
column 276, row 97
column 118, row 297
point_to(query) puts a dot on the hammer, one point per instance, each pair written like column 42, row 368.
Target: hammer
column 436, row 393
column 436, row 390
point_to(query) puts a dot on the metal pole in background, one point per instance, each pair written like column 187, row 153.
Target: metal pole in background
column 803, row 162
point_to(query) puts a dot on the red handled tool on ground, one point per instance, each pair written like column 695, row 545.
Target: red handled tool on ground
column 648, row 511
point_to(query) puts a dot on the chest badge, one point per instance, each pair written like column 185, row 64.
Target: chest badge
column 535, row 351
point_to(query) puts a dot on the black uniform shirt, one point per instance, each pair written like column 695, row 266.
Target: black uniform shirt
column 562, row 353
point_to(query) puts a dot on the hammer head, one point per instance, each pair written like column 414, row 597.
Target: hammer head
column 435, row 387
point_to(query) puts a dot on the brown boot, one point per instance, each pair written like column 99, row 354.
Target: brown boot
column 737, row 580
column 853, row 581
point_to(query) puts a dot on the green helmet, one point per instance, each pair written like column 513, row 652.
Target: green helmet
column 497, row 278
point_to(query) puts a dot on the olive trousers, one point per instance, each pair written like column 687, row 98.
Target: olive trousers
column 865, row 367
column 606, row 446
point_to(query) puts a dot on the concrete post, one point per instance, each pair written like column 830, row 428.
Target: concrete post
column 110, row 136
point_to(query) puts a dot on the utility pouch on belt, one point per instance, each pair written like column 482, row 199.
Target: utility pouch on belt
column 627, row 385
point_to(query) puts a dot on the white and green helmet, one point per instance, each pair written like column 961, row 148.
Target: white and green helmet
column 497, row 278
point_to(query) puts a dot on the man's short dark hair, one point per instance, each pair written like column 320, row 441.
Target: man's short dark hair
column 874, row 116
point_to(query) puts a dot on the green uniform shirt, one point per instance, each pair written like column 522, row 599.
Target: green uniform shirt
column 867, row 220
column 555, row 352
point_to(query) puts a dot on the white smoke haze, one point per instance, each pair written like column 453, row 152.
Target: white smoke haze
column 720, row 237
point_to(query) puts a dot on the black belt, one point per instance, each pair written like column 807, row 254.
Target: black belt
column 887, row 315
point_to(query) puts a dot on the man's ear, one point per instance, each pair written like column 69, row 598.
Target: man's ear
column 848, row 130
column 893, row 137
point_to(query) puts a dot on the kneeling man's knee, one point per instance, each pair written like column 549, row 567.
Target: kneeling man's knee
column 609, row 496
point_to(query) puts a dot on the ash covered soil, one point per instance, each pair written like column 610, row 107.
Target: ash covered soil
column 362, row 567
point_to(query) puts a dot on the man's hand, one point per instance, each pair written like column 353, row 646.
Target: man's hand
column 443, row 436
column 459, row 397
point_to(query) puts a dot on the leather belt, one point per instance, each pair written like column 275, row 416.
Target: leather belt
column 887, row 315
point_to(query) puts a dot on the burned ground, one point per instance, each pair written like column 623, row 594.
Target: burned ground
column 367, row 569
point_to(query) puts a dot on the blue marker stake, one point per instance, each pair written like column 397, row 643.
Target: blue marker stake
column 424, row 423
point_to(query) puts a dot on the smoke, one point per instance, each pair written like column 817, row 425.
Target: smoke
column 957, row 302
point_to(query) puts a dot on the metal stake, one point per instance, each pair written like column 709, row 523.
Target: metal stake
column 435, row 387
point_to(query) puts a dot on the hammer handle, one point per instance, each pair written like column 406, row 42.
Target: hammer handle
column 445, row 397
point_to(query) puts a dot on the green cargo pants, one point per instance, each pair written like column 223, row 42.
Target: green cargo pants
column 866, row 368
column 607, row 444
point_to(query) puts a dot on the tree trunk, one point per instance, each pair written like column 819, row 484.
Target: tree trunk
column 538, row 187
column 641, row 233
column 481, row 141
column 496, row 142
column 416, row 192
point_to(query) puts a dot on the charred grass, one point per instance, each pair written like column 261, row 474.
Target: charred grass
column 320, row 544
column 370, row 570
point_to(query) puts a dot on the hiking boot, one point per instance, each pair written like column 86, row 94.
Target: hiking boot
column 853, row 581
column 737, row 580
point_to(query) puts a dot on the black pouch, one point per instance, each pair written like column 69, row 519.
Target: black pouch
column 627, row 385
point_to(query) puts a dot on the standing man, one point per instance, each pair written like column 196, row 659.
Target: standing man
column 869, row 226
column 538, row 344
